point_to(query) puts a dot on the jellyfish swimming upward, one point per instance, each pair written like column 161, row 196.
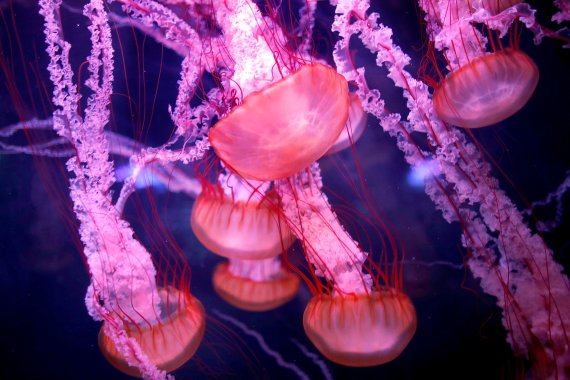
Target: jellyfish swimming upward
column 283, row 189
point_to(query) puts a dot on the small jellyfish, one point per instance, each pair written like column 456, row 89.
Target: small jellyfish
column 255, row 285
column 488, row 90
column 285, row 127
column 361, row 330
column 168, row 343
column 239, row 230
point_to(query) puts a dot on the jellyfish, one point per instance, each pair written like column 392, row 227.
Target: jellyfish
column 482, row 88
column 255, row 285
column 170, row 342
column 487, row 90
column 147, row 329
column 361, row 330
column 361, row 316
column 282, row 146
column 285, row 127
column 239, row 228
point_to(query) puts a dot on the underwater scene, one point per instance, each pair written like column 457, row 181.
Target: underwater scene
column 312, row 189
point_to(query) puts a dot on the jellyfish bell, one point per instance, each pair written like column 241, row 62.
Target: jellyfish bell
column 169, row 342
column 361, row 330
column 240, row 230
column 488, row 90
column 285, row 127
column 254, row 294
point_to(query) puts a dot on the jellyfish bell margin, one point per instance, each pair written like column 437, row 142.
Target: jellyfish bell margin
column 497, row 6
